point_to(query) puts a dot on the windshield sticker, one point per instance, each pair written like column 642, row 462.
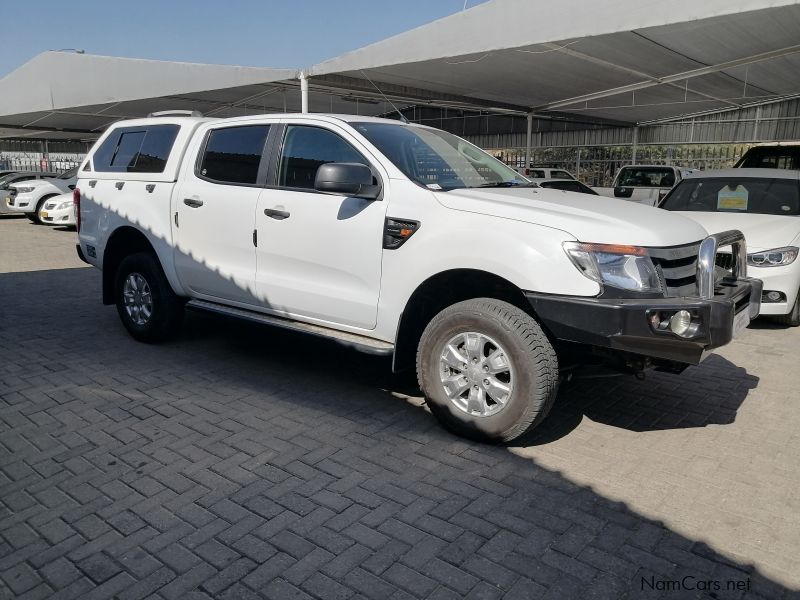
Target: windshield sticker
column 433, row 186
column 732, row 199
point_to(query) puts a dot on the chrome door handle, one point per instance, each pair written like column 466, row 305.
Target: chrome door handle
column 280, row 215
column 192, row 202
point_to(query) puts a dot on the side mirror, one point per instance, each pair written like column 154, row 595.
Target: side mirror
column 350, row 179
column 623, row 192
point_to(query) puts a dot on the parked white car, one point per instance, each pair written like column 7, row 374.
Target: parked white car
column 58, row 210
column 765, row 205
column 534, row 172
column 645, row 184
column 403, row 240
column 29, row 196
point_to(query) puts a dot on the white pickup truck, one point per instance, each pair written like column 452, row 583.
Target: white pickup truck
column 401, row 240
column 645, row 184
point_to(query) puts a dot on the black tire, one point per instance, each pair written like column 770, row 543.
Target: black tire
column 167, row 308
column 529, row 352
column 792, row 319
column 35, row 216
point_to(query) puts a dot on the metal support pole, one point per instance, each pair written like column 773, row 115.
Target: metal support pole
column 755, row 125
column 635, row 144
column 528, row 144
column 303, row 92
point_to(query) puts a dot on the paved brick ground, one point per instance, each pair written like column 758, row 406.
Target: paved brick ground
column 241, row 462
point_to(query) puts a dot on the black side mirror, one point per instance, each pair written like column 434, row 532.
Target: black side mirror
column 350, row 179
column 623, row 192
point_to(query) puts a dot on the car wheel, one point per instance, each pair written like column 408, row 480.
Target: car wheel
column 792, row 319
column 487, row 370
column 35, row 216
column 149, row 309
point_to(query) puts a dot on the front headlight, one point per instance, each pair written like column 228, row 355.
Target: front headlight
column 625, row 267
column 63, row 205
column 773, row 258
column 24, row 190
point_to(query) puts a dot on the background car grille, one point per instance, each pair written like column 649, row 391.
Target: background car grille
column 678, row 269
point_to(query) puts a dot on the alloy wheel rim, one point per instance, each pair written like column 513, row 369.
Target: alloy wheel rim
column 137, row 298
column 476, row 374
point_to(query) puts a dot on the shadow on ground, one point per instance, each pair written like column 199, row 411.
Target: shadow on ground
column 240, row 461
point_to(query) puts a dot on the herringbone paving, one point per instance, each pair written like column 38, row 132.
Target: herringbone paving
column 242, row 462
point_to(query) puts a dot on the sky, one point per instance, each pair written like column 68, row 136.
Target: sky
column 266, row 33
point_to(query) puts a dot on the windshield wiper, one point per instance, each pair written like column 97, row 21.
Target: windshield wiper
column 504, row 184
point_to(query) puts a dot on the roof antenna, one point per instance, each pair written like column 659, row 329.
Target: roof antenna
column 397, row 110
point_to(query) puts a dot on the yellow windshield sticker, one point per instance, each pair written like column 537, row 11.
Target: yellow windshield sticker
column 732, row 199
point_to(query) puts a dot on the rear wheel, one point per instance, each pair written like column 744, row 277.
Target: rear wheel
column 487, row 370
column 147, row 306
column 793, row 318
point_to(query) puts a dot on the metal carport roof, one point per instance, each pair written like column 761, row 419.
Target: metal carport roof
column 626, row 60
column 622, row 61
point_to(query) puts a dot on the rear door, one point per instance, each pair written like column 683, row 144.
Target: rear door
column 214, row 209
column 319, row 255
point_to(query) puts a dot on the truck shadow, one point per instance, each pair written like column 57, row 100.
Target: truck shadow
column 282, row 426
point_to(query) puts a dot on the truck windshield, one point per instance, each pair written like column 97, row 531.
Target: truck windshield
column 764, row 196
column 438, row 160
column 646, row 177
column 771, row 157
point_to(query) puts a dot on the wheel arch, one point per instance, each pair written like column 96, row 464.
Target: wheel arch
column 124, row 241
column 438, row 292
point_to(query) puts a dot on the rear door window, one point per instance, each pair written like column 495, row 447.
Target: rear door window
column 233, row 154
column 136, row 149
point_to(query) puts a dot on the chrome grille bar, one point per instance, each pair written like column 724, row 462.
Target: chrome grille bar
column 706, row 261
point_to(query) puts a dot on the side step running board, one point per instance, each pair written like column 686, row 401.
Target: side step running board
column 353, row 340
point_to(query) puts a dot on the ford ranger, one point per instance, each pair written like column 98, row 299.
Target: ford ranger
column 402, row 240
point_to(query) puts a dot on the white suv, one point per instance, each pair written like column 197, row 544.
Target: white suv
column 403, row 240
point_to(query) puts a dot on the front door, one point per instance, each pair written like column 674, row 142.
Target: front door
column 318, row 255
column 215, row 254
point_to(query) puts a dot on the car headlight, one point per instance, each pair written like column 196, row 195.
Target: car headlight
column 63, row 205
column 773, row 258
column 24, row 190
column 625, row 267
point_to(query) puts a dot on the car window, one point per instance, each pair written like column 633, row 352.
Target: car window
column 306, row 148
column 778, row 157
column 136, row 149
column 69, row 174
column 646, row 177
column 233, row 154
column 764, row 196
column 560, row 175
column 537, row 173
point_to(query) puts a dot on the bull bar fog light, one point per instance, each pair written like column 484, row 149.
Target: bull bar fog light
column 680, row 322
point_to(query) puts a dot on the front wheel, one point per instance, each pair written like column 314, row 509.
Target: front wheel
column 149, row 309
column 793, row 318
column 487, row 370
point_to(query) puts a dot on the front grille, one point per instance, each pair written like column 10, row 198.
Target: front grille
column 50, row 205
column 677, row 267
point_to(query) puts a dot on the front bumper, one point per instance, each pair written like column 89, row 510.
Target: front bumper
column 22, row 203
column 623, row 324
column 786, row 280
column 723, row 305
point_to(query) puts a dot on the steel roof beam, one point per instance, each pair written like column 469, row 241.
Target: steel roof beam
column 652, row 81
